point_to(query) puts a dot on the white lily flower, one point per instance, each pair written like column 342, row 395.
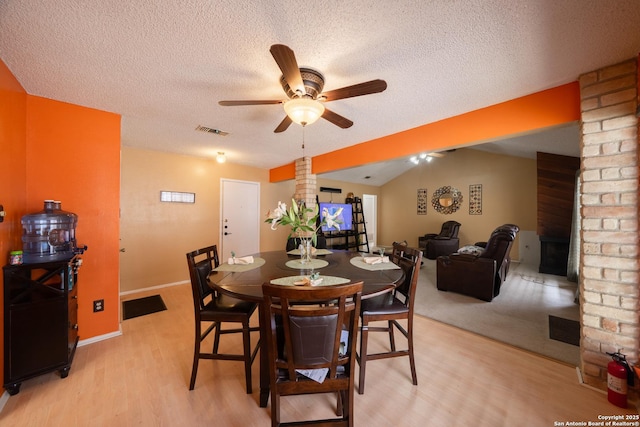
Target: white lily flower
column 331, row 219
column 277, row 215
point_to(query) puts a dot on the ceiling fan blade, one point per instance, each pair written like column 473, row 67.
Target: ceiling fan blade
column 284, row 124
column 248, row 102
column 366, row 88
column 336, row 119
column 286, row 60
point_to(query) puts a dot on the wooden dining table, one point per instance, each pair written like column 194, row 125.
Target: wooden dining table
column 245, row 282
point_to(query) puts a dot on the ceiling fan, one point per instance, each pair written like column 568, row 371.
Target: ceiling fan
column 303, row 87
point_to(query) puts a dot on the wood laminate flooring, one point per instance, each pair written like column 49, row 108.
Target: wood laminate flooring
column 142, row 377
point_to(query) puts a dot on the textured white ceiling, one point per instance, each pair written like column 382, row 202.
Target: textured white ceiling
column 164, row 65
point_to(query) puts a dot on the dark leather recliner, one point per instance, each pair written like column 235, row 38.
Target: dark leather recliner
column 444, row 243
column 479, row 276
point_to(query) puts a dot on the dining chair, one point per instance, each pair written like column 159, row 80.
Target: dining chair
column 312, row 328
column 213, row 308
column 392, row 307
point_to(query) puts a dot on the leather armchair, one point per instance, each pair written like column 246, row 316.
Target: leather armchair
column 482, row 275
column 444, row 243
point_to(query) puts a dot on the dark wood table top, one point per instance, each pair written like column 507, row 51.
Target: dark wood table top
column 247, row 285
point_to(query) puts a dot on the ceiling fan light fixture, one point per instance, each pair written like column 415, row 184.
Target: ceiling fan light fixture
column 303, row 111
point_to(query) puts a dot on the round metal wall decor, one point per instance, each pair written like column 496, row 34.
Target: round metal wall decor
column 446, row 200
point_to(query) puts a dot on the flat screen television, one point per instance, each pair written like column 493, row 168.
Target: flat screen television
column 345, row 218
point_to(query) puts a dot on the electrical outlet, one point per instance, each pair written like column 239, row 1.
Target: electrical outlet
column 98, row 305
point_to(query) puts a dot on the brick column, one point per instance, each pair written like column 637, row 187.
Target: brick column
column 609, row 267
column 305, row 182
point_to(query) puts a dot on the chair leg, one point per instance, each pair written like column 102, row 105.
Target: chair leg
column 347, row 411
column 392, row 340
column 196, row 357
column 216, row 339
column 275, row 409
column 412, row 362
column 246, row 339
column 364, row 337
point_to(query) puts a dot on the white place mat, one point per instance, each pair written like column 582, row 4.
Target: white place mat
column 257, row 262
column 298, row 265
column 358, row 262
column 326, row 280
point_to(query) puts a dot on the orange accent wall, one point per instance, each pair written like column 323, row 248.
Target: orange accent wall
column 282, row 173
column 548, row 108
column 13, row 113
column 55, row 150
column 73, row 155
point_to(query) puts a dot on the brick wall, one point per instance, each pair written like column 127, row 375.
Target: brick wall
column 609, row 182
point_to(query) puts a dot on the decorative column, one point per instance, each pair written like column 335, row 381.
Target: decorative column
column 609, row 267
column 305, row 182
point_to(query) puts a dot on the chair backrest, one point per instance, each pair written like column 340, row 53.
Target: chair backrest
column 312, row 320
column 409, row 260
column 201, row 262
column 450, row 229
column 499, row 244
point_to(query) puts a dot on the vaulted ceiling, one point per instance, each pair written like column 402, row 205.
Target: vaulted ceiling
column 165, row 65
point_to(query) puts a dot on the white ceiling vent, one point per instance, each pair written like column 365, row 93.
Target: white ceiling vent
column 211, row 130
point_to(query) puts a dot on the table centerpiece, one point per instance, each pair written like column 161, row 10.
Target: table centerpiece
column 304, row 222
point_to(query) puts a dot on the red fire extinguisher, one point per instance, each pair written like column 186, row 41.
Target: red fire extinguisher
column 619, row 377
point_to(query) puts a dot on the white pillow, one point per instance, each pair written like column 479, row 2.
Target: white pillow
column 471, row 249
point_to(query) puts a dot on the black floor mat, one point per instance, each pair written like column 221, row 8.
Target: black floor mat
column 564, row 330
column 142, row 306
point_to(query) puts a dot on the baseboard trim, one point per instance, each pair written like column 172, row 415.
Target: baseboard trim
column 166, row 285
column 99, row 338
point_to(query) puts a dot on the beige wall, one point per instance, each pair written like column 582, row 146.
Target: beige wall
column 508, row 196
column 156, row 236
column 346, row 187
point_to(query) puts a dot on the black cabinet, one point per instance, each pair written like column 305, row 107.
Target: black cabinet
column 40, row 320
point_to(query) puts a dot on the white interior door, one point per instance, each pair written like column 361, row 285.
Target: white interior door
column 240, row 215
column 370, row 211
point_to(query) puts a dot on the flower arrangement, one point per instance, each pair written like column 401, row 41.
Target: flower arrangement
column 303, row 220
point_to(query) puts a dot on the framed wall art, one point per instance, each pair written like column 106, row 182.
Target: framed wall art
column 422, row 201
column 446, row 200
column 475, row 199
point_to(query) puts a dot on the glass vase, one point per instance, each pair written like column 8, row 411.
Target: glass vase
column 305, row 251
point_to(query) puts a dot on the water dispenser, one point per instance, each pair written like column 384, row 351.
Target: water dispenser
column 49, row 235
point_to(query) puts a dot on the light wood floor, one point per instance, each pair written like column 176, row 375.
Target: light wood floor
column 141, row 379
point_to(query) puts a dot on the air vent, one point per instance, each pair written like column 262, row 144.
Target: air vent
column 211, row 130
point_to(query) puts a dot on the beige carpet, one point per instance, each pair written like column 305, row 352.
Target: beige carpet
column 518, row 316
